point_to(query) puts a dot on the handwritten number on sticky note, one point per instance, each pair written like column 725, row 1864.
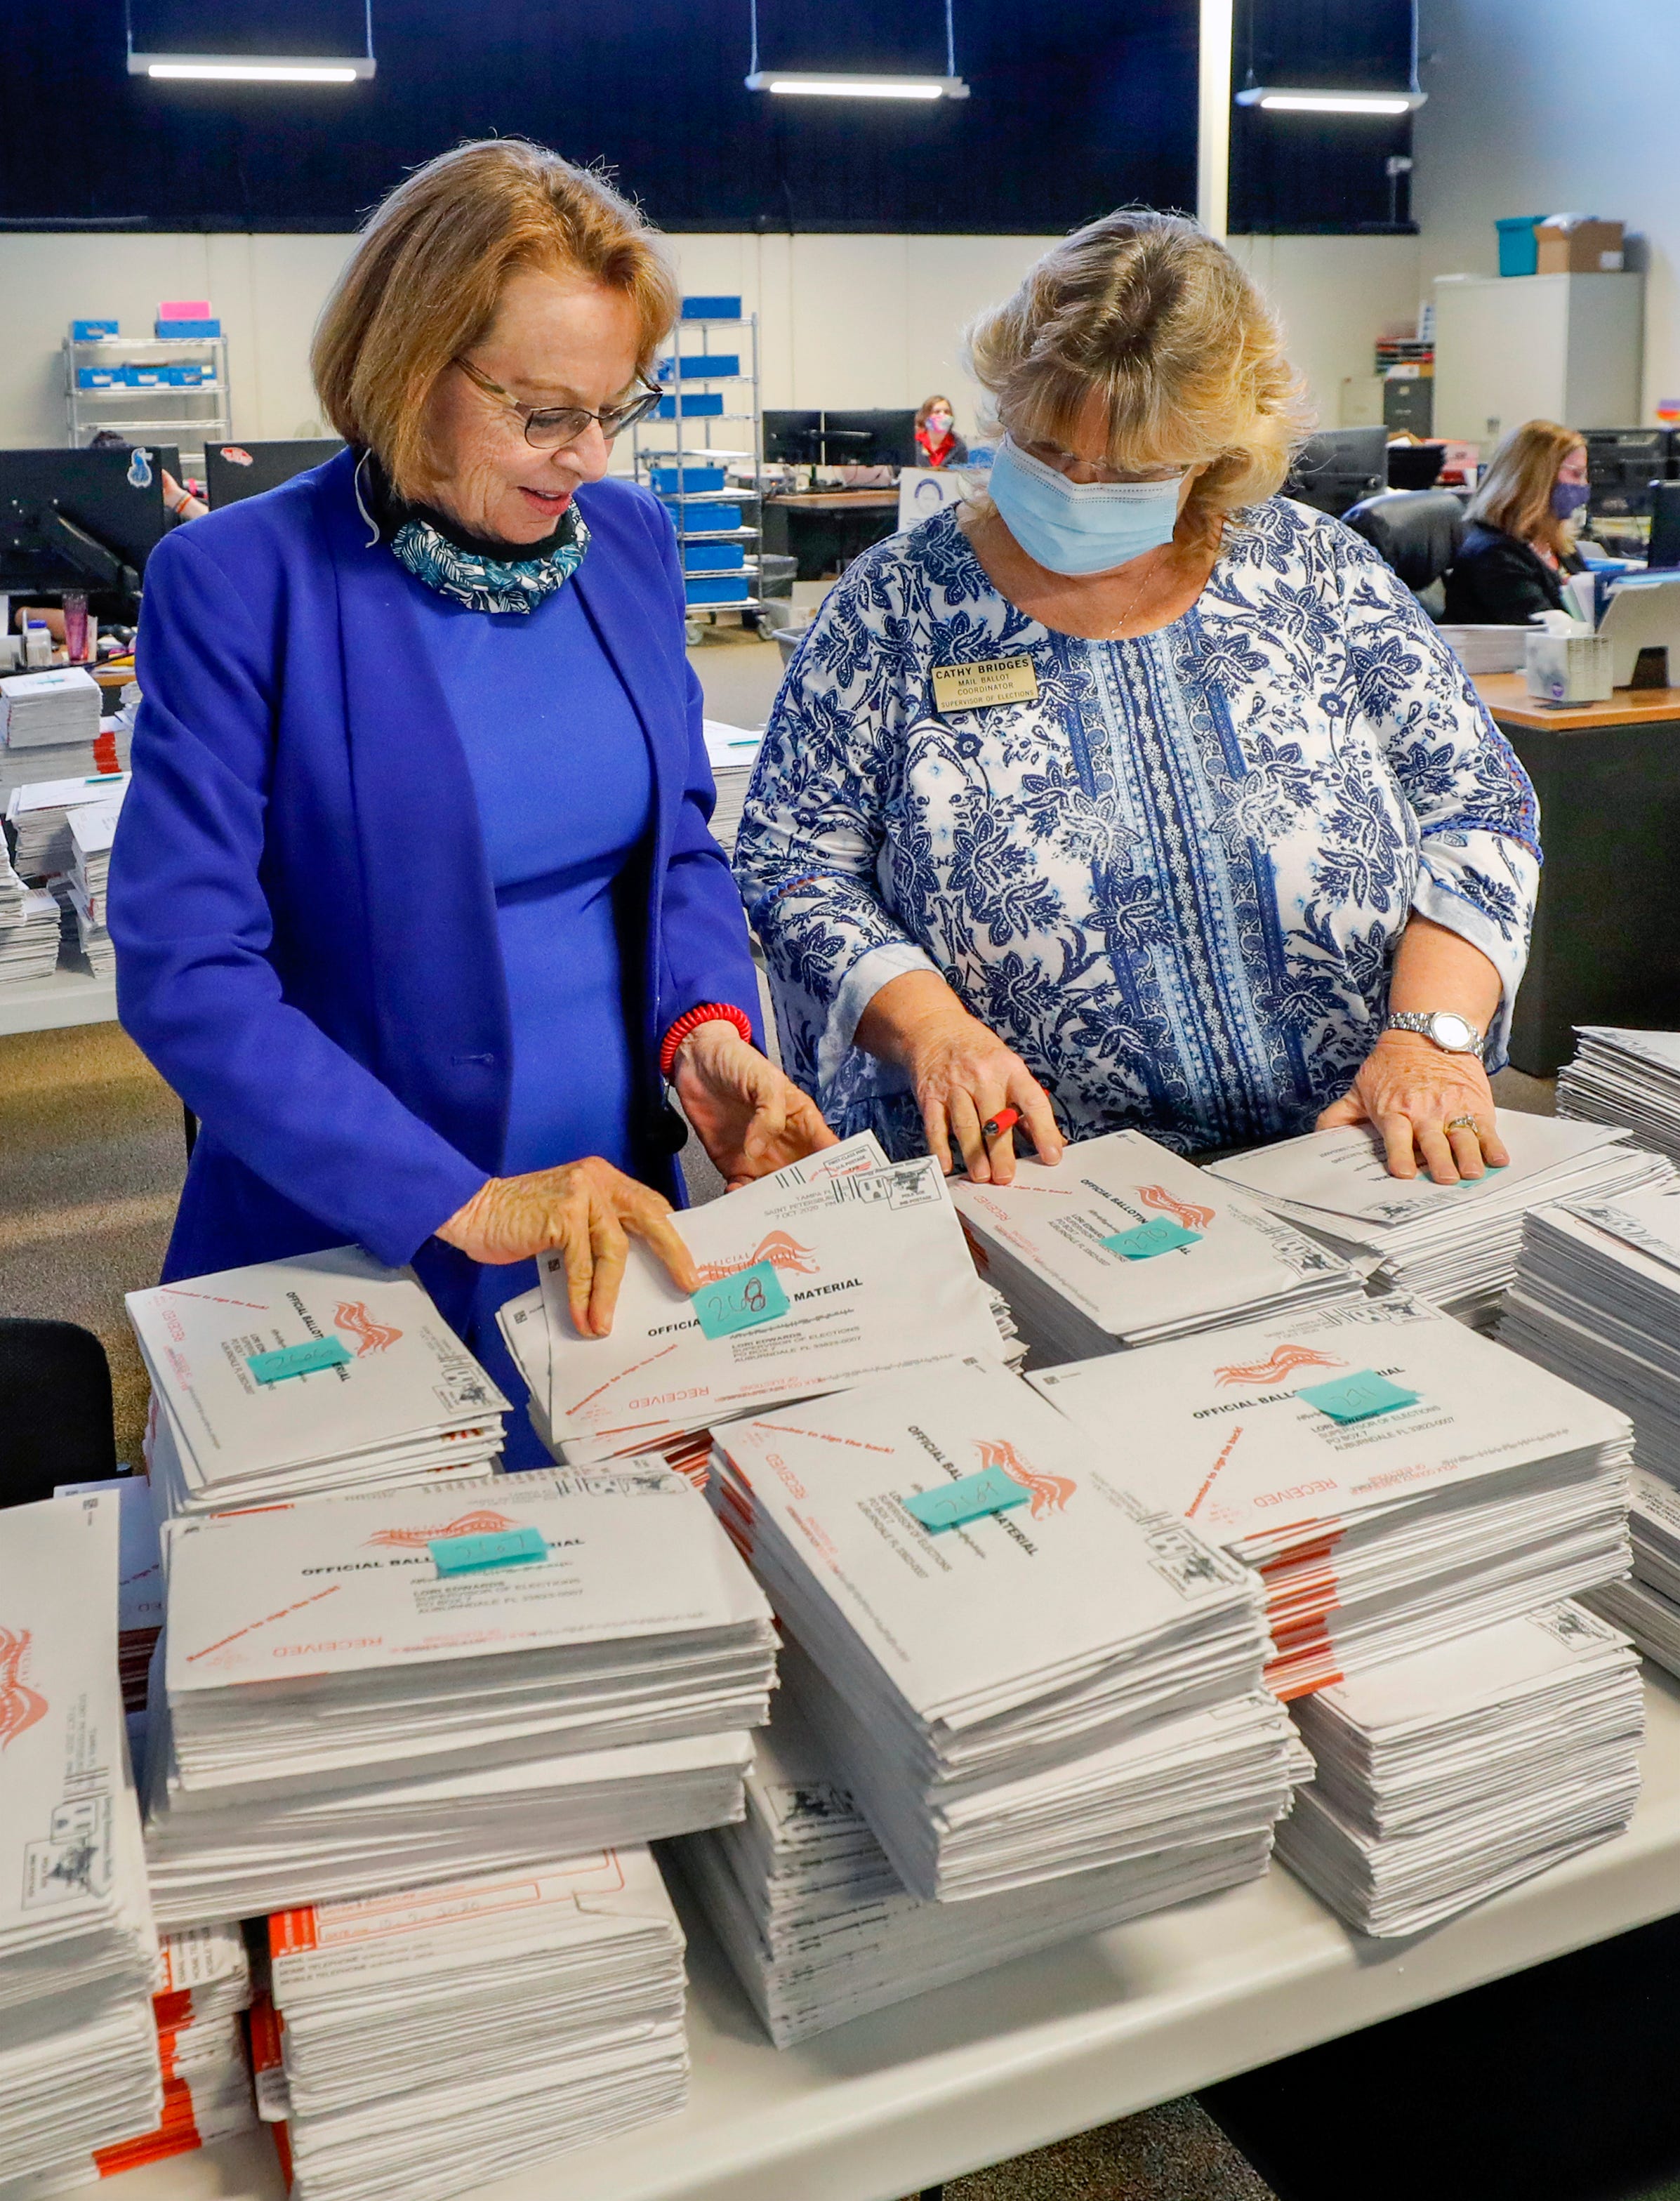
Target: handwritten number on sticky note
column 1356, row 1398
column 1159, row 1236
column 742, row 1301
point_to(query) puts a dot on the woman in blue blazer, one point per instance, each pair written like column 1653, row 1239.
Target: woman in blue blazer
column 414, row 896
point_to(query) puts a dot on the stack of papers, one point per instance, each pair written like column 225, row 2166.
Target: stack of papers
column 1628, row 1078
column 1455, row 1244
column 100, row 754
column 1065, row 1680
column 13, row 892
column 1649, row 1606
column 93, row 828
column 38, row 815
column 354, row 1694
column 78, row 2060
column 434, row 2040
column 46, row 710
column 1121, row 1243
column 838, row 1268
column 28, row 939
column 1397, row 1480
column 139, row 1581
column 732, row 751
column 820, row 1929
column 1446, row 1777
column 290, row 1379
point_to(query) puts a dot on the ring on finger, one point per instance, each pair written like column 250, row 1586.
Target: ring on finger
column 1461, row 1123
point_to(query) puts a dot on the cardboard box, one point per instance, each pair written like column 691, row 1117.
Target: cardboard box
column 1573, row 668
column 1569, row 245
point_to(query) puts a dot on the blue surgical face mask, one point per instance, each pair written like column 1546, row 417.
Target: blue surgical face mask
column 1567, row 499
column 1080, row 527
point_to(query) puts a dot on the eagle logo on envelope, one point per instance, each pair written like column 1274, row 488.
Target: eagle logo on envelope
column 1285, row 1360
column 373, row 1336
column 1185, row 1212
column 776, row 1247
column 21, row 1706
column 483, row 1522
column 1049, row 1493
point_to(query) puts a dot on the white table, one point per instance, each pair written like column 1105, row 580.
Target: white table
column 1054, row 2044
column 69, row 997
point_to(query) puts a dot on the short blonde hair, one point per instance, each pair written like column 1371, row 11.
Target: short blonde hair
column 426, row 277
column 1515, row 494
column 1153, row 315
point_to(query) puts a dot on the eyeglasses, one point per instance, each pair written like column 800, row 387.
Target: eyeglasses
column 1053, row 455
column 552, row 428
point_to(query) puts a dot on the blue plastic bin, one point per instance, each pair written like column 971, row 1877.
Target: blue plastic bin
column 711, row 309
column 700, row 366
column 713, row 557
column 717, row 589
column 693, row 405
column 704, row 518
column 693, row 481
column 98, row 378
column 197, row 329
column 90, row 331
column 1518, row 247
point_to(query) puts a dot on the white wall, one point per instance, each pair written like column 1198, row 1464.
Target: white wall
column 843, row 320
column 1547, row 107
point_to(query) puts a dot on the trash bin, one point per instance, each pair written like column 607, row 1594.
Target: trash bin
column 1518, row 247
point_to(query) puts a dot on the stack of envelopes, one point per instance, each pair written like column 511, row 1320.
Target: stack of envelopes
column 1622, row 1076
column 347, row 1701
column 1122, row 1243
column 1396, row 1479
column 38, row 816
column 1648, row 1605
column 1063, row 1679
column 44, row 710
column 838, row 1268
column 820, row 1928
column 1455, row 1244
column 440, row 2037
column 78, row 2057
column 292, row 1379
column 29, row 938
column 1449, row 1775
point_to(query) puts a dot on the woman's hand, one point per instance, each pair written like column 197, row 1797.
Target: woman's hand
column 962, row 1075
column 587, row 1211
column 751, row 1119
column 1415, row 1095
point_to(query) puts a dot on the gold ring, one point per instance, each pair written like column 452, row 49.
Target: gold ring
column 1460, row 1123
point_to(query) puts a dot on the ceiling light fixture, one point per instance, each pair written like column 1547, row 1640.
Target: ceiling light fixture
column 253, row 68
column 1278, row 99
column 844, row 83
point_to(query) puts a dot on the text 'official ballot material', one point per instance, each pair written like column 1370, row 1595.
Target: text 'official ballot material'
column 989, row 1694
column 289, row 1379
column 78, row 2051
column 1499, row 1489
column 1121, row 1243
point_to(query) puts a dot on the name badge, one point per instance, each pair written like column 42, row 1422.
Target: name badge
column 994, row 680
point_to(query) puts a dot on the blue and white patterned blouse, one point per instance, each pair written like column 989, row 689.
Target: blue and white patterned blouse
column 1174, row 880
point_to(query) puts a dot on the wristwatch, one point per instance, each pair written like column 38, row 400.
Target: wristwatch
column 1452, row 1033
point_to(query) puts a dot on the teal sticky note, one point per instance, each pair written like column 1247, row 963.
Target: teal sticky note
column 741, row 1302
column 1160, row 1235
column 297, row 1360
column 1357, row 1398
column 500, row 1547
column 991, row 1491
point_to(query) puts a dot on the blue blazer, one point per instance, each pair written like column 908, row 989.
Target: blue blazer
column 305, row 922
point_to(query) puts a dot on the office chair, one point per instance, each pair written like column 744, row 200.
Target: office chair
column 1417, row 531
column 55, row 1416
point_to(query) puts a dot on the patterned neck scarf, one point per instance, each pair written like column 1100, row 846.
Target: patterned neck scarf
column 470, row 571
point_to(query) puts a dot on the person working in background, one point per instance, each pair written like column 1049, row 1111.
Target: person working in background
column 1136, row 795
column 179, row 502
column 414, row 899
column 1523, row 521
column 937, row 442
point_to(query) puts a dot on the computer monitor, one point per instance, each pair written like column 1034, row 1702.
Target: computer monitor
column 83, row 519
column 1339, row 467
column 232, row 471
column 1664, row 550
column 875, row 438
column 794, row 440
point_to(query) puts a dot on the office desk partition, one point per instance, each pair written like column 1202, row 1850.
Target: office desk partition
column 1606, row 933
column 824, row 530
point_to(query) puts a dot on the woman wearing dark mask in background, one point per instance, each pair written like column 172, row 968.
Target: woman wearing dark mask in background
column 1523, row 522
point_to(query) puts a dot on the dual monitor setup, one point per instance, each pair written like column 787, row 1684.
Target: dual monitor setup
column 883, row 438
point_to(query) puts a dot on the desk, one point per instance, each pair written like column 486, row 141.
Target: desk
column 1606, row 932
column 825, row 529
column 69, row 997
column 1054, row 2044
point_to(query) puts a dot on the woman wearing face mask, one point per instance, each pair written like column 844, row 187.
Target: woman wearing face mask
column 937, row 442
column 413, row 898
column 1137, row 794
column 1524, row 519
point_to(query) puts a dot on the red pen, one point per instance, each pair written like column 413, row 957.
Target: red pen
column 1005, row 1120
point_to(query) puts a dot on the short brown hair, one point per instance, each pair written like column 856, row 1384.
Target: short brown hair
column 1515, row 494
column 927, row 406
column 426, row 277
column 1153, row 315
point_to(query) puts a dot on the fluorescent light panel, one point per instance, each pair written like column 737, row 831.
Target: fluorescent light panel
column 251, row 68
column 810, row 86
column 1280, row 99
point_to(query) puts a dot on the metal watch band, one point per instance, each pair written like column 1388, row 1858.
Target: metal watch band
column 1424, row 1021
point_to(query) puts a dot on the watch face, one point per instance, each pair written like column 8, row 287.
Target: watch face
column 1456, row 1033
